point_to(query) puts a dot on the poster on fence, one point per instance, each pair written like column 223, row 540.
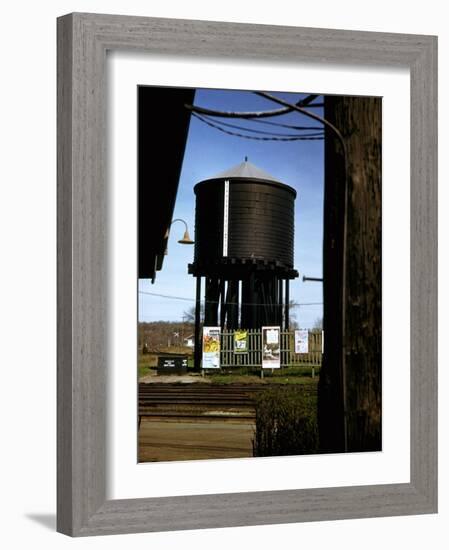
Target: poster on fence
column 211, row 347
column 241, row 341
column 271, row 347
column 302, row 341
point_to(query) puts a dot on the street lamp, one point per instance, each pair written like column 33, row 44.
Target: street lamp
column 185, row 239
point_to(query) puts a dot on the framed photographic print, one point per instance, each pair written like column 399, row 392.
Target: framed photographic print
column 246, row 274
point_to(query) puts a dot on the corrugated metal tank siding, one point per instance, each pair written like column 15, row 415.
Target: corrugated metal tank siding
column 261, row 221
column 209, row 221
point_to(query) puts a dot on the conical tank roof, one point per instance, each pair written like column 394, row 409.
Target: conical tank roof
column 245, row 170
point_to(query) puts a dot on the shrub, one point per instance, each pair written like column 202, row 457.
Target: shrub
column 286, row 422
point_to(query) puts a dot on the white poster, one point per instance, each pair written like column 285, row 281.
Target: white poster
column 302, row 341
column 211, row 347
column 271, row 347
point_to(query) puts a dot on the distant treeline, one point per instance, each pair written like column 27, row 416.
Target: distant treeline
column 162, row 334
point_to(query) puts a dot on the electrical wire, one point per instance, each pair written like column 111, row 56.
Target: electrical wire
column 284, row 125
column 252, row 114
column 319, row 132
column 185, row 299
column 167, row 296
column 300, row 109
column 237, row 134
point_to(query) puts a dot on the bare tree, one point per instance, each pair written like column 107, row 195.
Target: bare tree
column 318, row 324
column 189, row 314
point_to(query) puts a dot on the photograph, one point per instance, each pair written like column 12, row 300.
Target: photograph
column 231, row 217
column 247, row 273
column 259, row 273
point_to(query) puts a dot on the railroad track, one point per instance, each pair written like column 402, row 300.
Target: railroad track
column 233, row 402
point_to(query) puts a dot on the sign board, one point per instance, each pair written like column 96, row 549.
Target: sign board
column 172, row 364
column 241, row 341
column 271, row 347
column 302, row 341
column 211, row 347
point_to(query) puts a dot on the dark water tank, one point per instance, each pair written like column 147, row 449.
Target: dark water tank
column 244, row 213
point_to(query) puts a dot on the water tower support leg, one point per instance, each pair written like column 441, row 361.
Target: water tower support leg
column 280, row 302
column 223, row 305
column 197, row 350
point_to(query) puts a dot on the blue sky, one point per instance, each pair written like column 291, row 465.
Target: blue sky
column 299, row 164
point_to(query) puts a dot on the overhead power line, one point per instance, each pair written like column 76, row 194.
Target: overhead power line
column 284, row 125
column 185, row 299
column 167, row 296
column 271, row 138
column 252, row 114
column 317, row 133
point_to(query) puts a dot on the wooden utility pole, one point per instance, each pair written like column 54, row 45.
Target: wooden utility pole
column 349, row 402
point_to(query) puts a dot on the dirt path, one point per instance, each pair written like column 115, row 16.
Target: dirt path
column 166, row 441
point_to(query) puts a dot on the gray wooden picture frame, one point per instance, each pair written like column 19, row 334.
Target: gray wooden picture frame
column 83, row 40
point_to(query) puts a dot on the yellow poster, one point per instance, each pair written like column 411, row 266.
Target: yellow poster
column 241, row 341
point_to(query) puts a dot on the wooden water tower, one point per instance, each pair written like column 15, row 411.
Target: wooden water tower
column 244, row 243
